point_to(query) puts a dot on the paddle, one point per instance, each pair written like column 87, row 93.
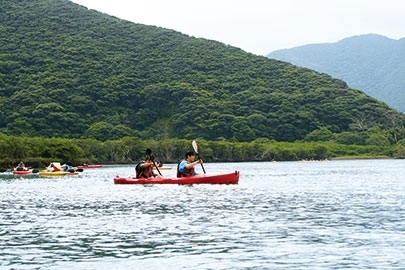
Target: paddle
column 149, row 154
column 195, row 147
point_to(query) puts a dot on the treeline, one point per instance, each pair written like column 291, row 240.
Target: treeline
column 38, row 152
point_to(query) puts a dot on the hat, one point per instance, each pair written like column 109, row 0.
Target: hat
column 190, row 153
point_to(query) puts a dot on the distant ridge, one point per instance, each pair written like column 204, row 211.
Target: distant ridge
column 372, row 63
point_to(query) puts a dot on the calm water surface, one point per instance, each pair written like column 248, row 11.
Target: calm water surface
column 282, row 215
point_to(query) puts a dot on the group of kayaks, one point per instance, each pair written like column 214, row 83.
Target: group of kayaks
column 225, row 178
column 56, row 170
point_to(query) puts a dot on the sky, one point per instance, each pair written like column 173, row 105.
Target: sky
column 263, row 26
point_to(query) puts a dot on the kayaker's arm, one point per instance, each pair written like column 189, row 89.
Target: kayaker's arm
column 192, row 164
column 146, row 164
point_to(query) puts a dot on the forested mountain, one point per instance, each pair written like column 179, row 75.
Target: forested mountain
column 373, row 63
column 67, row 71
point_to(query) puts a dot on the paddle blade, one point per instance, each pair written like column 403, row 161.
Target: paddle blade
column 35, row 171
column 195, row 147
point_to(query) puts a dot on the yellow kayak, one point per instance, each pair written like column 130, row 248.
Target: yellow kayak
column 58, row 173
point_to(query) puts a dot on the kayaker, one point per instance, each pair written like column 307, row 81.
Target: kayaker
column 21, row 167
column 186, row 166
column 53, row 168
column 144, row 169
column 67, row 167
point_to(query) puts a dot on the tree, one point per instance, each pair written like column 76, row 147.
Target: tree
column 100, row 131
column 321, row 134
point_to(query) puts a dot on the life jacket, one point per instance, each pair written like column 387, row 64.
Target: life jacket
column 187, row 172
column 67, row 168
column 143, row 172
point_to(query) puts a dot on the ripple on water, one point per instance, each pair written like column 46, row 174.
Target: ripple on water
column 281, row 215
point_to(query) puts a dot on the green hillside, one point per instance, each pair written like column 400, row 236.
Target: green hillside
column 66, row 71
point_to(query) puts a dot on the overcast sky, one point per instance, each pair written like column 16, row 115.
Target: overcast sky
column 263, row 26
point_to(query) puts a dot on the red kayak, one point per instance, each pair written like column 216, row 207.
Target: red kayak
column 23, row 172
column 228, row 178
column 87, row 166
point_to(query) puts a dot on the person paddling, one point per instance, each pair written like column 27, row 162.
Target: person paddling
column 67, row 167
column 186, row 166
column 144, row 169
column 21, row 167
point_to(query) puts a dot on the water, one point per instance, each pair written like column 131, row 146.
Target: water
column 282, row 215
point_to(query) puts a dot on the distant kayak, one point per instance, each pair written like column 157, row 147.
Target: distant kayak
column 24, row 172
column 57, row 173
column 228, row 178
column 56, row 170
column 88, row 166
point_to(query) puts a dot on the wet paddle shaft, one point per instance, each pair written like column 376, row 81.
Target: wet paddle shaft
column 195, row 147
